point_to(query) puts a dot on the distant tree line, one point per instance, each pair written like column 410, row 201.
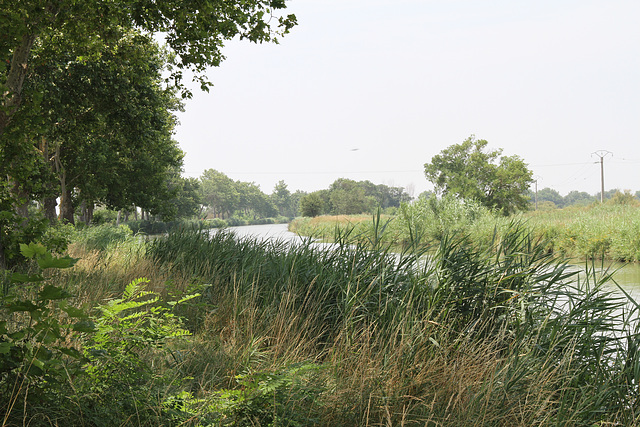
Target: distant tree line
column 349, row 197
column 548, row 198
column 222, row 197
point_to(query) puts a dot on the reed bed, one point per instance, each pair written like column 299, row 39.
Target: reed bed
column 466, row 337
column 447, row 335
column 608, row 231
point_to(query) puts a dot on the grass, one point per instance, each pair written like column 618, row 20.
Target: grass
column 610, row 231
column 471, row 335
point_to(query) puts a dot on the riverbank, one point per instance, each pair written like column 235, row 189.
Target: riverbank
column 610, row 231
column 269, row 333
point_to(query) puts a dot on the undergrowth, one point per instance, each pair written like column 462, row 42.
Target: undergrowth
column 229, row 331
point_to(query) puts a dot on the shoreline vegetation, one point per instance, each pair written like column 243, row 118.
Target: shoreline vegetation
column 196, row 330
column 609, row 231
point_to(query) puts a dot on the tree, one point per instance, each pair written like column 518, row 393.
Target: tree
column 579, row 198
column 551, row 195
column 385, row 196
column 296, row 197
column 281, row 197
column 84, row 32
column 195, row 32
column 105, row 126
column 186, row 202
column 470, row 171
column 312, row 204
column 253, row 201
column 348, row 198
column 219, row 193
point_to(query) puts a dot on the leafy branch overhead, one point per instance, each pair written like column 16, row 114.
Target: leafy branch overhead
column 88, row 99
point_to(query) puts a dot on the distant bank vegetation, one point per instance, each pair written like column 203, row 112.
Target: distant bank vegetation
column 610, row 230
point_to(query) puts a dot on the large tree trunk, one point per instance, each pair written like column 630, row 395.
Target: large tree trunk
column 90, row 209
column 50, row 204
column 12, row 96
column 66, row 206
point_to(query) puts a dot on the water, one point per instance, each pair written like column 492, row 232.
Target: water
column 627, row 275
column 267, row 231
column 275, row 232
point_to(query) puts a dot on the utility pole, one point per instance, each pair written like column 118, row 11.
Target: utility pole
column 535, row 180
column 602, row 154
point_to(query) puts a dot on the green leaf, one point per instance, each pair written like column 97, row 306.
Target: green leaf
column 26, row 278
column 50, row 292
column 47, row 261
column 32, row 249
column 74, row 312
column 71, row 352
column 22, row 306
column 84, row 326
column 17, row 336
column 5, row 347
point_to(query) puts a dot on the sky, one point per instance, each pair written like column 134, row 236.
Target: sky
column 373, row 89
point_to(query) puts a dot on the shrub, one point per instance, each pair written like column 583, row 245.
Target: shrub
column 101, row 236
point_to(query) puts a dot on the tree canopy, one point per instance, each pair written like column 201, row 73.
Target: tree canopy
column 225, row 197
column 87, row 101
column 469, row 170
column 347, row 197
column 195, row 32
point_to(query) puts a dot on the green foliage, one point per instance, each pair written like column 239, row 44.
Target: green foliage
column 101, row 236
column 57, row 358
column 608, row 231
column 284, row 397
column 104, row 216
column 624, row 198
column 37, row 324
column 578, row 198
column 125, row 358
column 549, row 195
column 126, row 328
column 433, row 218
column 469, row 172
column 226, row 198
column 312, row 204
column 283, row 200
column 349, row 197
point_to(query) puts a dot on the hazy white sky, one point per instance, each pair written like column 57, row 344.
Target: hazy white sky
column 400, row 80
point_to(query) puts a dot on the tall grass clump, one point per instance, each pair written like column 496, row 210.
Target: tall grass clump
column 101, row 236
column 456, row 334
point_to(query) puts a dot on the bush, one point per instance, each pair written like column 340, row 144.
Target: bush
column 104, row 216
column 61, row 365
column 101, row 236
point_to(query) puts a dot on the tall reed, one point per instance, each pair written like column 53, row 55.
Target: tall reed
column 464, row 336
column 360, row 333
